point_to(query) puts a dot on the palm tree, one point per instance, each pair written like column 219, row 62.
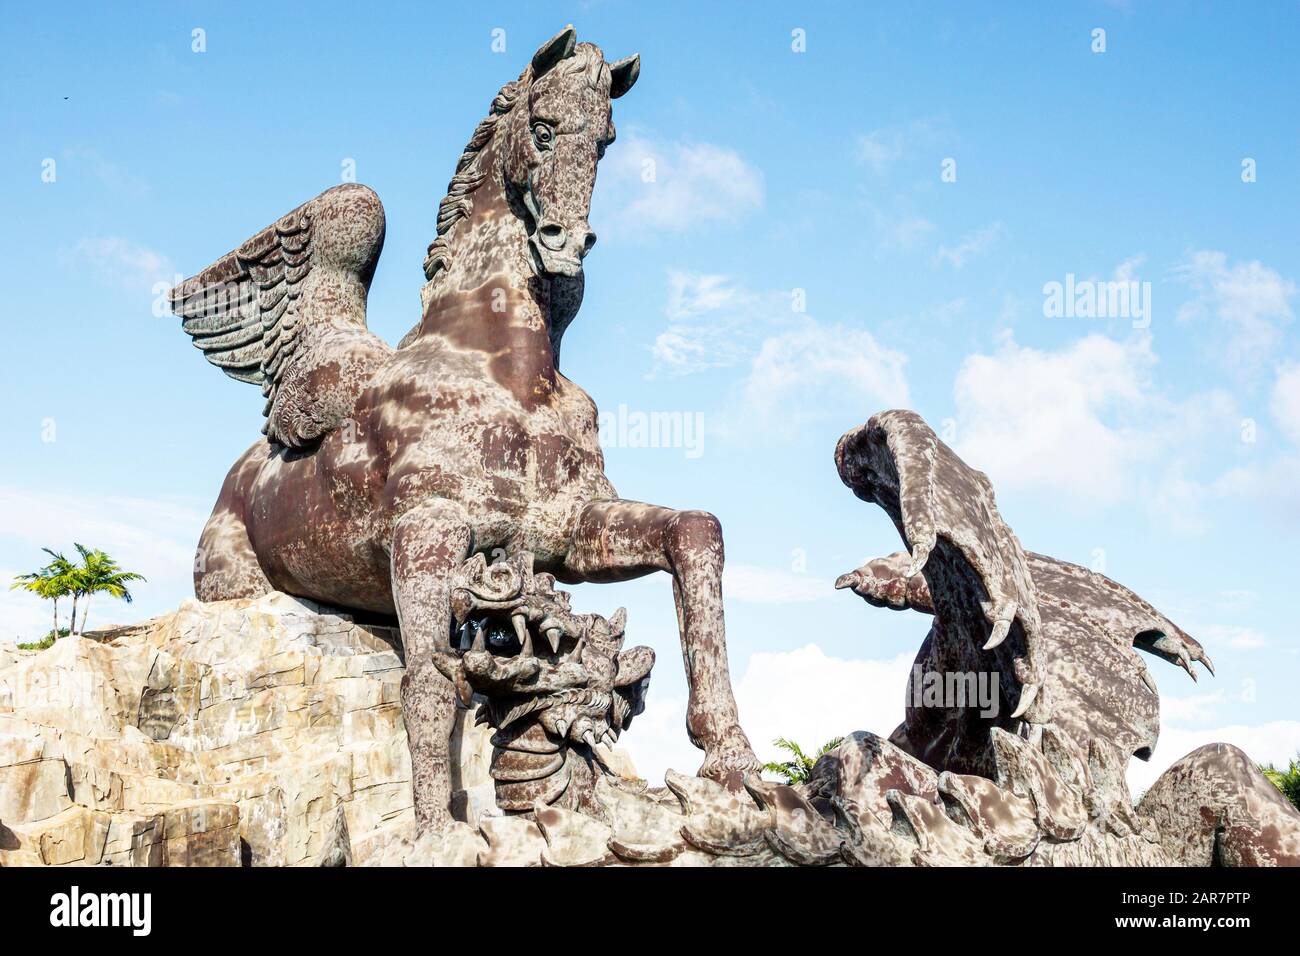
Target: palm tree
column 1288, row 780
column 98, row 574
column 51, row 582
column 798, row 770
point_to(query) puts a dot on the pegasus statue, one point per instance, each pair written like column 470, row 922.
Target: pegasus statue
column 382, row 470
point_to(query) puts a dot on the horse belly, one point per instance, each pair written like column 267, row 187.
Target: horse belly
column 311, row 548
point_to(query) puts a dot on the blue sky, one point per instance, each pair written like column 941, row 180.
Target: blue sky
column 1165, row 455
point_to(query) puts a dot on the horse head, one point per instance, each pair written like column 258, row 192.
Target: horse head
column 554, row 137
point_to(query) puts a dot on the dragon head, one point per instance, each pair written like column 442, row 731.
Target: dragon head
column 517, row 644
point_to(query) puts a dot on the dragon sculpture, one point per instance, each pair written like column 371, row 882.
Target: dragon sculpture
column 383, row 469
column 555, row 685
column 1039, row 783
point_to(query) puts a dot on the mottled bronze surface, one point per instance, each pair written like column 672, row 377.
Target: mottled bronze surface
column 383, row 469
column 1076, row 699
column 554, row 684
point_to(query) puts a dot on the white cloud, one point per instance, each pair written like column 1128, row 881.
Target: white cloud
column 1274, row 742
column 675, row 187
column 1194, row 709
column 810, row 697
column 1262, row 481
column 1232, row 635
column 1087, row 420
column 124, row 263
column 975, row 244
column 692, row 294
column 1251, row 300
column 23, row 616
column 1285, row 405
column 657, row 739
column 1043, row 419
column 796, row 370
column 804, row 695
column 794, row 361
column 1126, row 271
column 755, row 585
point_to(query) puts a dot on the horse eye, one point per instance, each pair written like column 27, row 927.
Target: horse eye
column 542, row 134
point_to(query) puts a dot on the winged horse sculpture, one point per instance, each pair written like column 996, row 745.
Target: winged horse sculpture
column 383, row 469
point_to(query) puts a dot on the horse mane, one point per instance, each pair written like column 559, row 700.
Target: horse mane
column 458, row 204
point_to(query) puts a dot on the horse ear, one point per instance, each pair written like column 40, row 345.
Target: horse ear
column 557, row 48
column 623, row 74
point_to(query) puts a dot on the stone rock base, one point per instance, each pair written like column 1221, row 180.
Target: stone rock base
column 223, row 734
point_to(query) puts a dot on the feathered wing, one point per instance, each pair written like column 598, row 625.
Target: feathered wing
column 287, row 311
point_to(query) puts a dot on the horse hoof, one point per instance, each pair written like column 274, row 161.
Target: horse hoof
column 730, row 766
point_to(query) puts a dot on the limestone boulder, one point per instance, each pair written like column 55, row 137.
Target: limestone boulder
column 252, row 732
column 227, row 733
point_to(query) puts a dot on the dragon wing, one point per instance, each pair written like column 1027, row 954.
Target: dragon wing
column 288, row 301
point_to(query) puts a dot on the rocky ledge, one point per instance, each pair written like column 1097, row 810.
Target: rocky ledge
column 237, row 732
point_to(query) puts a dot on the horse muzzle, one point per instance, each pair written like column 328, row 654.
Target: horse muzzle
column 558, row 251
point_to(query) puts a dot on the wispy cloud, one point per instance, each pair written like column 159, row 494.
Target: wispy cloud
column 713, row 322
column 1234, row 636
column 851, row 694
column 1251, row 301
column 772, row 695
column 1285, row 403
column 813, row 370
column 898, row 231
column 123, row 263
column 112, row 175
column 971, row 246
column 752, row 584
column 1274, row 742
column 677, row 186
column 798, row 368
column 882, row 148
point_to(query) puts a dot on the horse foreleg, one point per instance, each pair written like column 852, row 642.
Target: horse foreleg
column 428, row 542
column 619, row 540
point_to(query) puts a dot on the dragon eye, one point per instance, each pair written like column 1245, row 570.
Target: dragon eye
column 542, row 135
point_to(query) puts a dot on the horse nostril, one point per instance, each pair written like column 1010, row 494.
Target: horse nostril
column 552, row 236
column 588, row 243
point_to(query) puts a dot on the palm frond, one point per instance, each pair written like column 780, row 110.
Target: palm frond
column 799, row 769
column 1287, row 781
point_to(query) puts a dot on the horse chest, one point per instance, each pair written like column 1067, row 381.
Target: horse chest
column 541, row 456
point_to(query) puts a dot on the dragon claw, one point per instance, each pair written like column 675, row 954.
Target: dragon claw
column 1000, row 631
column 1149, row 681
column 1027, row 695
column 920, row 555
column 849, row 579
